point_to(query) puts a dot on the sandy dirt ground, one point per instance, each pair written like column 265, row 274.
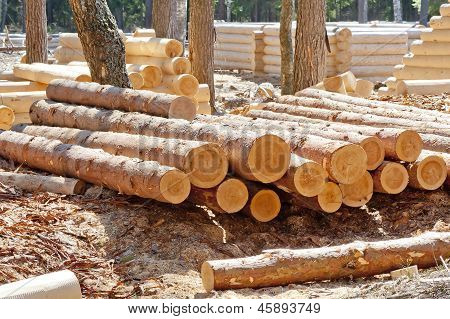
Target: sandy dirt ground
column 127, row 247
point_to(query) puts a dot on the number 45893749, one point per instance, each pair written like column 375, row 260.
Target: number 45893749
column 292, row 307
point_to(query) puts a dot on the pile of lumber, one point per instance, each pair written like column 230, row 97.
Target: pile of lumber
column 426, row 69
column 337, row 61
column 346, row 83
column 239, row 47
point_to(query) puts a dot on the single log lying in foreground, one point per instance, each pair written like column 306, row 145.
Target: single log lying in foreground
column 20, row 102
column 358, row 259
column 304, row 176
column 45, row 73
column 23, row 86
column 42, row 183
column 428, row 172
column 6, row 115
column 128, row 176
column 227, row 198
column 343, row 161
column 440, row 117
column 264, row 204
column 255, row 156
column 205, row 163
column 390, row 178
column 154, row 47
column 114, row 98
column 400, row 144
column 357, row 194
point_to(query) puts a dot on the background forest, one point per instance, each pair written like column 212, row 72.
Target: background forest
column 134, row 13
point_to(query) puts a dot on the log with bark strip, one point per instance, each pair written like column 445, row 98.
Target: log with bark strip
column 205, row 163
column 115, row 98
column 398, row 144
column 255, row 156
column 358, row 259
column 43, row 183
column 146, row 179
column 343, row 161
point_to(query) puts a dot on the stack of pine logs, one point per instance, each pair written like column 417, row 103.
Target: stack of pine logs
column 426, row 69
column 239, row 47
column 338, row 60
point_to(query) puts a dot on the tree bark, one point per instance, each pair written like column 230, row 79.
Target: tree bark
column 178, row 20
column 362, row 11
column 36, row 26
column 129, row 176
column 309, row 59
column 358, row 259
column 161, row 13
column 221, row 10
column 201, row 43
column 103, row 46
column 205, row 163
column 287, row 9
column 424, row 7
column 148, row 13
column 398, row 15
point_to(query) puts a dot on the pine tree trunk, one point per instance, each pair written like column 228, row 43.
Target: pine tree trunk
column 148, row 13
column 103, row 46
column 161, row 17
column 424, row 7
column 178, row 19
column 201, row 43
column 309, row 59
column 36, row 28
column 221, row 10
column 287, row 8
column 398, row 17
column 362, row 11
column 22, row 14
column 4, row 8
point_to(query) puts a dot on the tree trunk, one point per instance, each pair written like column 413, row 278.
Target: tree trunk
column 221, row 10
column 205, row 163
column 103, row 46
column 117, row 98
column 309, row 59
column 4, row 9
column 362, row 11
column 201, row 43
column 128, row 176
column 22, row 14
column 161, row 14
column 358, row 259
column 287, row 9
column 424, row 7
column 398, row 16
column 148, row 13
column 178, row 20
column 118, row 14
column 255, row 155
column 36, row 25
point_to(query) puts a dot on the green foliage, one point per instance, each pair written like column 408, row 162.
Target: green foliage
column 434, row 6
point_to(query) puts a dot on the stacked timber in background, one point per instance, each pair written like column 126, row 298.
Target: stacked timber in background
column 426, row 70
column 338, row 60
column 239, row 47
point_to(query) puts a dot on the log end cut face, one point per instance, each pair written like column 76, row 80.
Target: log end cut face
column 175, row 187
column 136, row 79
column 374, row 150
column 359, row 193
column 173, row 48
column 409, row 145
column 6, row 115
column 83, row 78
column 310, row 179
column 330, row 200
column 232, row 195
column 431, row 172
column 183, row 108
column 181, row 66
column 348, row 164
column 206, row 165
column 152, row 76
column 265, row 205
column 394, row 178
column 269, row 158
column 207, row 273
column 187, row 85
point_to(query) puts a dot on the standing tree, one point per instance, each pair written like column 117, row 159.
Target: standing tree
column 4, row 9
column 363, row 11
column 424, row 7
column 148, row 13
column 161, row 17
column 36, row 31
column 103, row 46
column 309, row 58
column 221, row 10
column 201, row 43
column 398, row 17
column 178, row 20
column 287, row 9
